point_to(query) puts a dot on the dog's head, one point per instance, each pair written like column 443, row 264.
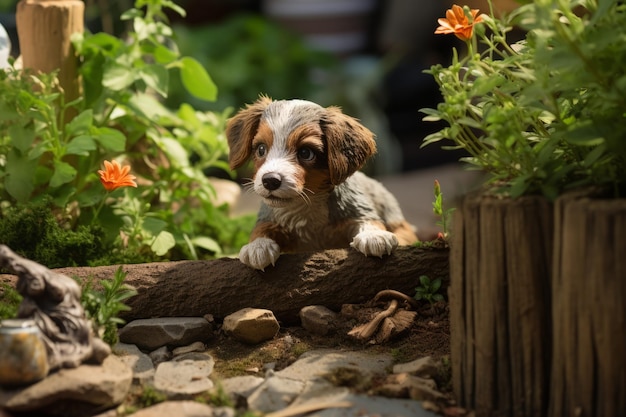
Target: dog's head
column 299, row 148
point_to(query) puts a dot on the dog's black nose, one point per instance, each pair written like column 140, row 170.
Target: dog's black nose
column 271, row 181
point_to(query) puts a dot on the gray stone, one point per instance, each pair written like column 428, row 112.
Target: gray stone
column 185, row 376
column 251, row 325
column 424, row 367
column 139, row 362
column 150, row 334
column 317, row 363
column 343, row 403
column 194, row 347
column 318, row 319
column 160, row 355
column 176, row 408
column 240, row 386
column 275, row 393
column 74, row 391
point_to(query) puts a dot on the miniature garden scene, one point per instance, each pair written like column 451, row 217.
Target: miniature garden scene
column 189, row 224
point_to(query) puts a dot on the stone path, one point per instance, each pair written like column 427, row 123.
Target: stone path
column 169, row 356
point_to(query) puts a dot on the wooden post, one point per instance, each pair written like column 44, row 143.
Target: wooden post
column 44, row 28
column 589, row 308
column 500, row 262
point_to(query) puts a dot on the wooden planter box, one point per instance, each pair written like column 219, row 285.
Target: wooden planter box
column 500, row 262
column 589, row 307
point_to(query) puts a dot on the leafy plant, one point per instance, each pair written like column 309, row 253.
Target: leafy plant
column 50, row 148
column 103, row 307
column 150, row 396
column 428, row 290
column 546, row 113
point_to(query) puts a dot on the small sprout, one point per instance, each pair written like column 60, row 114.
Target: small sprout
column 441, row 212
column 428, row 290
column 103, row 307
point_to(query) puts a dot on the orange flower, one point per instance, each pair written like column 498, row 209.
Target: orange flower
column 456, row 22
column 115, row 176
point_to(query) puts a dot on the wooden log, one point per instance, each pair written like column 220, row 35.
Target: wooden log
column 45, row 28
column 500, row 263
column 223, row 286
column 589, row 312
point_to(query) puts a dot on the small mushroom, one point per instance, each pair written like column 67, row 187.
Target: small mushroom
column 389, row 322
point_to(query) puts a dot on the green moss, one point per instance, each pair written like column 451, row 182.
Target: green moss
column 33, row 231
column 10, row 300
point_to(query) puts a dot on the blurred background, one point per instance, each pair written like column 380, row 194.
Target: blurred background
column 366, row 56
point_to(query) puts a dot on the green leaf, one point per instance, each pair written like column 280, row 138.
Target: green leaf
column 207, row 243
column 110, row 139
column 148, row 106
column 90, row 197
column 156, row 77
column 163, row 243
column 63, row 194
column 80, row 145
column 164, row 55
column 153, row 225
column 175, row 151
column 196, row 80
column 118, row 77
column 437, row 297
column 594, row 155
column 63, row 173
column 424, row 281
column 435, row 285
column 22, row 136
column 585, row 134
column 20, row 179
column 79, row 124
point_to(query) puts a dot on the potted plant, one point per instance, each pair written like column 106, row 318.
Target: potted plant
column 544, row 118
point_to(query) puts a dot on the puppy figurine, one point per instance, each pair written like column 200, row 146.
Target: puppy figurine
column 306, row 159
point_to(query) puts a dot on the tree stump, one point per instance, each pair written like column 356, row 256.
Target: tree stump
column 500, row 264
column 45, row 28
column 589, row 308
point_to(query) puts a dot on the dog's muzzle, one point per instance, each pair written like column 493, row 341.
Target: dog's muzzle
column 271, row 181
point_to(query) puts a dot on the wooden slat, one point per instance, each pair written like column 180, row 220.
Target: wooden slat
column 589, row 314
column 499, row 305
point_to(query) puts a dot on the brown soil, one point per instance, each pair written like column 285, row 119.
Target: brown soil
column 429, row 335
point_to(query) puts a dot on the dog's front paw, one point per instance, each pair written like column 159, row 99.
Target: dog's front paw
column 375, row 242
column 260, row 253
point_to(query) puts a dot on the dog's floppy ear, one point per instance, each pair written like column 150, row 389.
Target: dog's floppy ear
column 349, row 144
column 240, row 131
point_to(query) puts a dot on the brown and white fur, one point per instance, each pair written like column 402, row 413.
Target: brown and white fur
column 306, row 159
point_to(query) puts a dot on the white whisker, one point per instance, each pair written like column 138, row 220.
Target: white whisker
column 248, row 185
column 305, row 196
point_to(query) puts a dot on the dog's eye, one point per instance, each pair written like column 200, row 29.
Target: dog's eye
column 306, row 154
column 261, row 150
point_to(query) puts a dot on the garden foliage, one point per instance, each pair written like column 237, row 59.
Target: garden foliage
column 51, row 149
column 546, row 113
